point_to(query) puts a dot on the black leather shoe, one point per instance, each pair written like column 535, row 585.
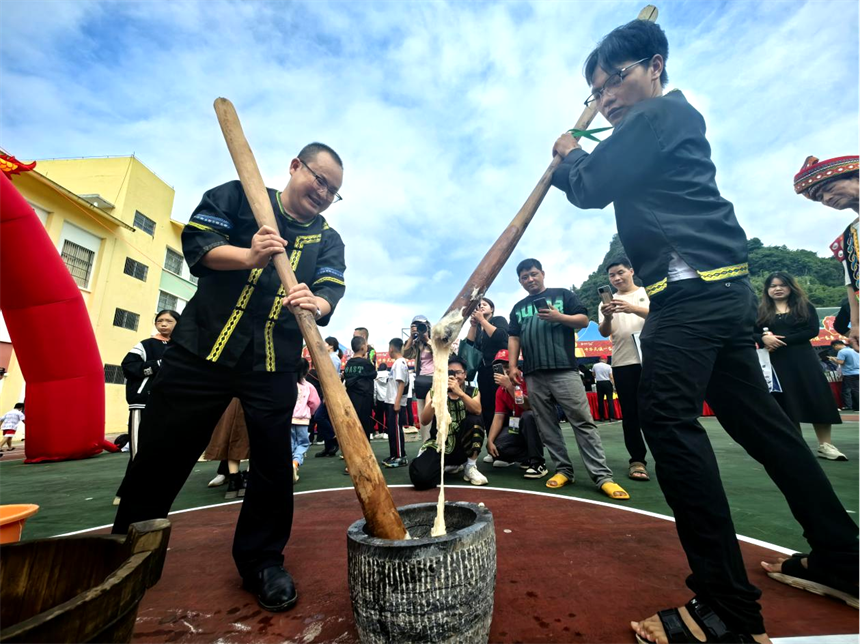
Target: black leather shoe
column 274, row 589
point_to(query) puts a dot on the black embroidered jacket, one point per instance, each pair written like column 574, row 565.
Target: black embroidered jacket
column 657, row 170
column 234, row 309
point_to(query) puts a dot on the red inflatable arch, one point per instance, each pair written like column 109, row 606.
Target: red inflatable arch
column 53, row 338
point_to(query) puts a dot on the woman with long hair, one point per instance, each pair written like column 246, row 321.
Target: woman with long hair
column 139, row 368
column 791, row 322
column 489, row 334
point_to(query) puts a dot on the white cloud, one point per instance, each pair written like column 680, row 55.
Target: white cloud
column 444, row 114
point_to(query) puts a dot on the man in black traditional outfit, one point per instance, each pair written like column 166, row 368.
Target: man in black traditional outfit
column 688, row 248
column 235, row 340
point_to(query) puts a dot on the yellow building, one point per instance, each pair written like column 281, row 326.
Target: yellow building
column 110, row 221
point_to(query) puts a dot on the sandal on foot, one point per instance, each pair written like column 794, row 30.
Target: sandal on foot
column 637, row 472
column 614, row 491
column 558, row 480
column 794, row 574
column 715, row 630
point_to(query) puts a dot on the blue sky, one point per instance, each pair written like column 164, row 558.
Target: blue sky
column 444, row 114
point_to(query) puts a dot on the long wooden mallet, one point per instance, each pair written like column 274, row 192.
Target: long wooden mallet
column 381, row 515
column 488, row 268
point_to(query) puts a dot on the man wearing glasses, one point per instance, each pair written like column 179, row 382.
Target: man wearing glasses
column 687, row 246
column 465, row 434
column 237, row 340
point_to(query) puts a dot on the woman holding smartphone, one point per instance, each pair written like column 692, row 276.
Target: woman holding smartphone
column 489, row 335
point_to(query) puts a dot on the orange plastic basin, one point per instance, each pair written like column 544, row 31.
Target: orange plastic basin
column 12, row 520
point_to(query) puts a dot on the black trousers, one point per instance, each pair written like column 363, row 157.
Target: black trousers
column 425, row 471
column 697, row 344
column 188, row 397
column 325, row 430
column 850, row 396
column 604, row 392
column 363, row 404
column 627, row 386
column 396, row 441
column 134, row 417
column 524, row 447
column 487, row 386
column 407, row 414
column 380, row 409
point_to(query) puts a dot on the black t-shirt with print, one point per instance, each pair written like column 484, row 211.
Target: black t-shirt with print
column 359, row 375
column 546, row 345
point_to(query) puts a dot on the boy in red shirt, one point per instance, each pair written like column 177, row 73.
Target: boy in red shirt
column 514, row 436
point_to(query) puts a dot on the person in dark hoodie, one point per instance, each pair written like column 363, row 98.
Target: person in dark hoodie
column 139, row 368
column 687, row 246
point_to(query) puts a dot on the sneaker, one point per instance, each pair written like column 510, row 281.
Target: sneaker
column 488, row 458
column 828, row 451
column 536, row 472
column 525, row 465
column 473, row 476
column 295, row 471
column 454, row 469
column 395, row 462
column 501, row 463
column 219, row 480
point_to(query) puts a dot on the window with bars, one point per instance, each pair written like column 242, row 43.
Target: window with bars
column 79, row 261
column 126, row 319
column 143, row 222
column 166, row 301
column 114, row 375
column 173, row 262
column 136, row 269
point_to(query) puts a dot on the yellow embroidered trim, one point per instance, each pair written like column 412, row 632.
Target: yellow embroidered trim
column 304, row 240
column 270, row 327
column 300, row 242
column 194, row 224
column 657, row 287
column 725, row 272
column 235, row 316
column 328, row 279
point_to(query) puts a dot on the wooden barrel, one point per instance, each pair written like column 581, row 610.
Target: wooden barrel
column 425, row 589
column 81, row 588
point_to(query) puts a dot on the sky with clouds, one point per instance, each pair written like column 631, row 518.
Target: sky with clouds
column 443, row 112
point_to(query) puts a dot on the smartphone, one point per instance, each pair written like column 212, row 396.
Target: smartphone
column 605, row 293
column 541, row 303
column 499, row 368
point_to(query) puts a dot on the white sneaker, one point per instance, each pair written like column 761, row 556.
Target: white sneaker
column 220, row 479
column 454, row 469
column 828, row 451
column 474, row 476
column 500, row 463
column 295, row 471
column 488, row 458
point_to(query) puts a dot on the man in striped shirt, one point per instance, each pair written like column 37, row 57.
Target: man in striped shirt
column 544, row 325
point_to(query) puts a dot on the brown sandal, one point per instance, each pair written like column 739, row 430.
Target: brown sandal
column 637, row 472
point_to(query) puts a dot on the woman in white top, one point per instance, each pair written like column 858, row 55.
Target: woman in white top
column 622, row 318
column 334, row 353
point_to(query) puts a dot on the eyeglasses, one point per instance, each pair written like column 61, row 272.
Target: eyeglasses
column 322, row 184
column 613, row 82
column 455, row 372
